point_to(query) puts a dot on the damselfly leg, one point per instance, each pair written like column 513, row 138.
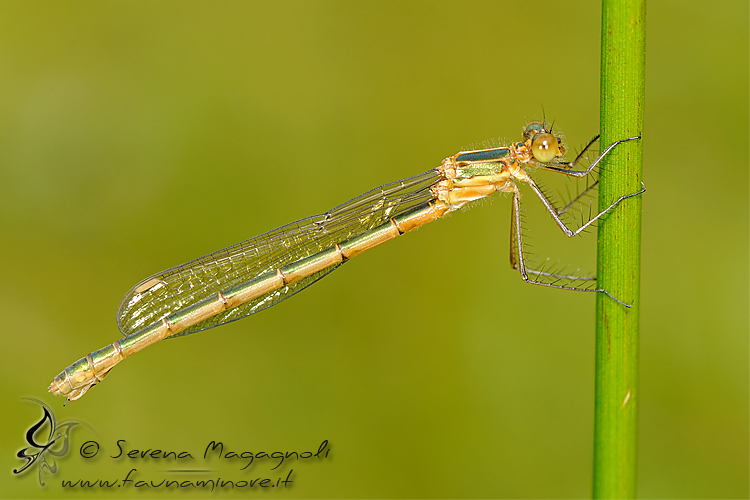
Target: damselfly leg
column 555, row 279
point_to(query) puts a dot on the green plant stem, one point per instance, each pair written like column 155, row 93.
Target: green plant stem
column 619, row 246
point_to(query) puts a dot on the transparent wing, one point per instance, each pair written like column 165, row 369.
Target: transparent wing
column 171, row 290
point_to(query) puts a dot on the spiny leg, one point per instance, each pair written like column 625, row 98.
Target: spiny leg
column 520, row 263
column 568, row 207
column 564, row 168
column 577, row 198
column 583, row 152
column 515, row 244
column 554, row 212
column 514, row 223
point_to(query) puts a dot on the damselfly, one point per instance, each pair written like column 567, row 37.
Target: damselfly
column 248, row 277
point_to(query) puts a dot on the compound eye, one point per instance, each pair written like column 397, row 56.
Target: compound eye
column 532, row 129
column 544, row 148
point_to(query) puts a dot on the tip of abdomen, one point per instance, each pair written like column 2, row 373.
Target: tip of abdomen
column 61, row 387
column 56, row 387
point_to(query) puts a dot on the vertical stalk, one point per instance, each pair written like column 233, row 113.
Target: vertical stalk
column 618, row 251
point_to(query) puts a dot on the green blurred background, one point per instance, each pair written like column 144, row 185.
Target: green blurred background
column 135, row 136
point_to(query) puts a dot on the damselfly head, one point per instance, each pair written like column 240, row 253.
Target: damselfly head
column 544, row 146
